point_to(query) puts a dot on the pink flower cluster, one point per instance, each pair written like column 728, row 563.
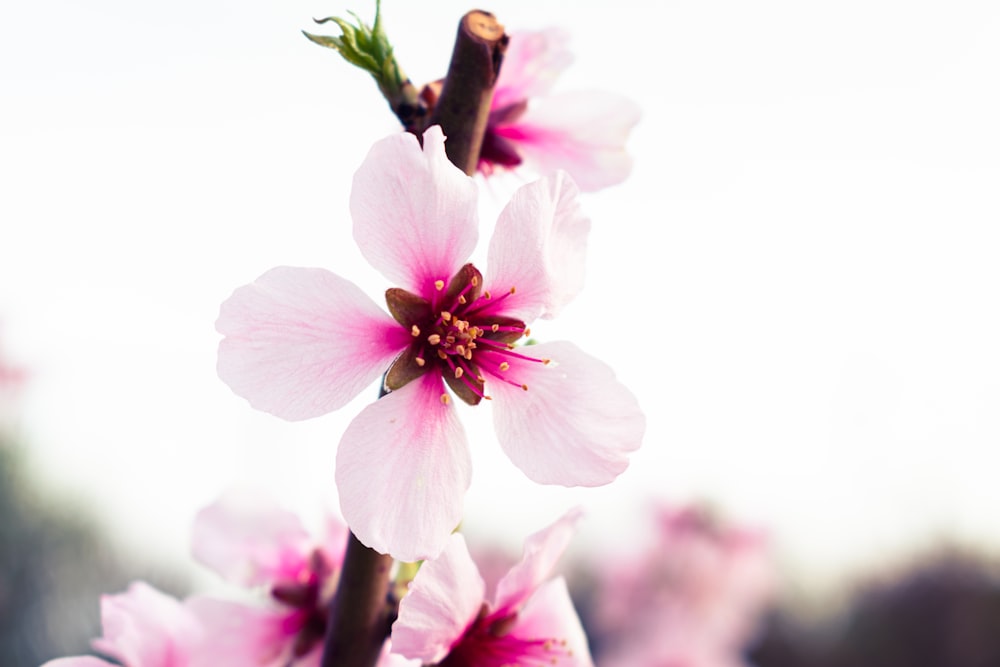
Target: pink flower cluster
column 693, row 598
column 291, row 576
column 300, row 342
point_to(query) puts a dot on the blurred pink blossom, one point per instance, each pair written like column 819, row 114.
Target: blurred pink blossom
column 583, row 133
column 299, row 343
column 252, row 542
column 693, row 599
column 446, row 620
column 142, row 628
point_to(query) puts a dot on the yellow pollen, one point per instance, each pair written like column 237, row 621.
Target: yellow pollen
column 434, row 339
column 524, row 387
column 468, row 355
column 504, row 366
column 449, row 339
column 446, row 399
column 474, row 281
column 527, row 332
column 496, row 328
column 460, row 349
column 513, row 289
column 461, row 299
column 442, row 354
column 414, row 331
column 487, row 295
column 461, row 325
column 546, row 362
column 420, row 361
column 445, row 315
column 439, row 285
column 459, row 372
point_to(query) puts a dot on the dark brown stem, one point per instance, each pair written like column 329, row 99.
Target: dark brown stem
column 361, row 611
column 463, row 109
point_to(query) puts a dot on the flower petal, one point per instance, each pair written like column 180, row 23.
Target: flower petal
column 538, row 247
column 541, row 551
column 78, row 661
column 550, row 615
column 533, row 62
column 403, row 467
column 249, row 540
column 574, row 426
column 239, row 635
column 443, row 601
column 303, row 342
column 415, row 216
column 147, row 628
column 581, row 132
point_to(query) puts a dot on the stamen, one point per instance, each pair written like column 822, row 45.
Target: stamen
column 462, row 300
column 420, row 361
column 414, row 331
column 439, row 285
column 496, row 328
column 459, row 372
column 446, row 399
column 442, row 354
column 460, row 349
column 474, row 281
column 434, row 339
column 445, row 315
column 504, row 366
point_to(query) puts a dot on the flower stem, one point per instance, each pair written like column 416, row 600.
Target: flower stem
column 463, row 109
column 362, row 611
column 364, row 607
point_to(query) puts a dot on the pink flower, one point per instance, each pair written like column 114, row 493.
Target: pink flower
column 445, row 620
column 252, row 542
column 142, row 628
column 581, row 132
column 302, row 342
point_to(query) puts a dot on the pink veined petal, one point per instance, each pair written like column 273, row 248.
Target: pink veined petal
column 79, row 661
column 581, row 132
column 575, row 425
column 239, row 635
column 146, row 628
column 549, row 614
column 414, row 212
column 403, row 467
column 538, row 247
column 443, row 601
column 249, row 540
column 303, row 342
column 541, row 551
column 533, row 62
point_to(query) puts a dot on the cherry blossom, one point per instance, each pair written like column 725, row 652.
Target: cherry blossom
column 142, row 628
column 581, row 132
column 252, row 542
column 301, row 342
column 445, row 619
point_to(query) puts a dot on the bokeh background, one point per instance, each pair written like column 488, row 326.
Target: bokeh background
column 799, row 280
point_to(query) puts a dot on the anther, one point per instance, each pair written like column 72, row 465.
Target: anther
column 495, row 327
column 474, row 281
column 527, row 332
column 462, row 299
column 504, row 366
column 513, row 289
column 459, row 372
column 442, row 354
column 487, row 295
column 420, row 361
column 445, row 315
column 460, row 349
column 524, row 387
column 414, row 331
column 546, row 362
column 434, row 339
column 468, row 355
column 439, row 285
column 446, row 399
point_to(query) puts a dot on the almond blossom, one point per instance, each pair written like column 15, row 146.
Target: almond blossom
column 301, row 342
column 142, row 628
column 445, row 619
column 250, row 541
column 582, row 132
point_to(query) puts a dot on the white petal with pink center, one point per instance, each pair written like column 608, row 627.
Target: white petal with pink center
column 403, row 467
column 249, row 540
column 240, row 635
column 292, row 345
column 574, row 425
column 415, row 214
column 146, row 628
column 581, row 132
column 549, row 616
column 541, row 552
column 538, row 247
column 533, row 62
column 441, row 604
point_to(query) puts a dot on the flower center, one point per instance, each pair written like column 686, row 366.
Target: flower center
column 461, row 332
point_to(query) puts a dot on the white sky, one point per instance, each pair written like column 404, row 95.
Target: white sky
column 799, row 282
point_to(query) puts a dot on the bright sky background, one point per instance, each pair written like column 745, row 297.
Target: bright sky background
column 799, row 281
